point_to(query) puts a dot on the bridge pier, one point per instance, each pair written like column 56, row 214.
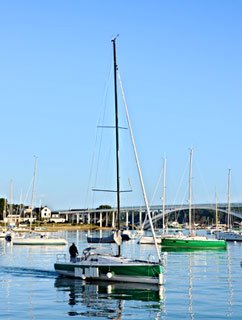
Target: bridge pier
column 77, row 218
column 101, row 220
column 132, row 220
column 127, row 219
column 113, row 219
column 140, row 218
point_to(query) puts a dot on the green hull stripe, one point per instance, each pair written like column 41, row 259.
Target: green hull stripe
column 147, row 271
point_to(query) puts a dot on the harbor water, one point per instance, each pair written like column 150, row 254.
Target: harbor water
column 197, row 285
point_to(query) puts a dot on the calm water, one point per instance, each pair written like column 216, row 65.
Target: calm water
column 198, row 285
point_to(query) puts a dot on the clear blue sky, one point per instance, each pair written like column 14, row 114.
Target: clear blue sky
column 181, row 67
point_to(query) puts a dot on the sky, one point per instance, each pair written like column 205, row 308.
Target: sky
column 180, row 63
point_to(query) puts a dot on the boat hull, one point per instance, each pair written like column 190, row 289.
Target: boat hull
column 32, row 242
column 109, row 239
column 149, row 240
column 97, row 269
column 229, row 235
column 193, row 243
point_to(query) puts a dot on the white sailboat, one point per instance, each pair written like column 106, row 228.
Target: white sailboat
column 98, row 266
column 36, row 238
column 229, row 234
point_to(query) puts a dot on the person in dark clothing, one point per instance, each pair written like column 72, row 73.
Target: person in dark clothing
column 73, row 252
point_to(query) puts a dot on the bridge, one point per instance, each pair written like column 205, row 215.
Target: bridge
column 105, row 217
column 168, row 211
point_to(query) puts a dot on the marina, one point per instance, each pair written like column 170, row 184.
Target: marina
column 31, row 289
column 116, row 221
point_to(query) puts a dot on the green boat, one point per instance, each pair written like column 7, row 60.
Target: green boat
column 97, row 266
column 193, row 243
column 100, row 266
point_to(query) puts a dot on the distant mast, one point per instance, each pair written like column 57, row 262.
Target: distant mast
column 216, row 210
column 190, row 192
column 229, row 206
column 115, row 68
column 32, row 196
column 164, row 195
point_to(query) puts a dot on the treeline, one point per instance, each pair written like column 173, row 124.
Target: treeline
column 5, row 206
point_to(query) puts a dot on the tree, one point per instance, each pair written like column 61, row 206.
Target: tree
column 3, row 203
column 104, row 206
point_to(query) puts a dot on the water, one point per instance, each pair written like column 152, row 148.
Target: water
column 198, row 285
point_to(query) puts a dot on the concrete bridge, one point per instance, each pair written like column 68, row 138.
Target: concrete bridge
column 107, row 217
column 159, row 216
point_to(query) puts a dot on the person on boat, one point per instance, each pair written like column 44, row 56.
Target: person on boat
column 73, row 252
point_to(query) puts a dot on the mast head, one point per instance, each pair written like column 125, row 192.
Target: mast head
column 114, row 39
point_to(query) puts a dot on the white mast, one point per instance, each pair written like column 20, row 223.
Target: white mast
column 216, row 210
column 229, row 207
column 190, row 192
column 11, row 198
column 164, row 194
column 32, row 196
column 139, row 170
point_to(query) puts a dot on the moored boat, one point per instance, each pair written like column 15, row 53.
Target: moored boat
column 38, row 239
column 192, row 240
column 229, row 234
column 196, row 242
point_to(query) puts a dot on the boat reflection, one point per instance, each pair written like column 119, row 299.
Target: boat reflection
column 196, row 250
column 108, row 299
column 123, row 291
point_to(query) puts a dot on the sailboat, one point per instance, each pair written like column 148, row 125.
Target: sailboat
column 36, row 238
column 229, row 234
column 100, row 266
column 191, row 241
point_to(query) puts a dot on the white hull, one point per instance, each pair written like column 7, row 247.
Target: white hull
column 37, row 240
column 149, row 240
column 3, row 235
column 229, row 235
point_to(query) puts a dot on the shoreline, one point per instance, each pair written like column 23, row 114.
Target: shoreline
column 69, row 227
column 57, row 227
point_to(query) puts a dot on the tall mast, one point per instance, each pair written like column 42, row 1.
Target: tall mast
column 190, row 192
column 11, row 198
column 32, row 196
column 229, row 208
column 115, row 68
column 164, row 194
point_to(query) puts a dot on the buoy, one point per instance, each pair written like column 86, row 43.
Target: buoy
column 83, row 277
column 109, row 275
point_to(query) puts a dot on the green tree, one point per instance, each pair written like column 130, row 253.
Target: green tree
column 104, row 206
column 2, row 204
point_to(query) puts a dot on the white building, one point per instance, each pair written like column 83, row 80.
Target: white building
column 45, row 213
